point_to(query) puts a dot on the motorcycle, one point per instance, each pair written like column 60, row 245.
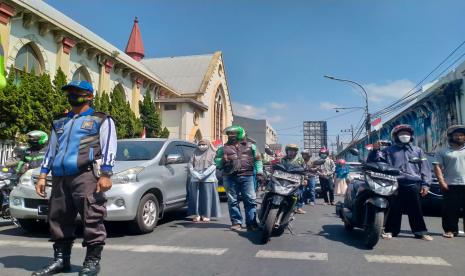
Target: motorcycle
column 277, row 208
column 7, row 181
column 366, row 201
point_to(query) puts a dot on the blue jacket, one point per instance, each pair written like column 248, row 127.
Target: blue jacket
column 78, row 140
column 342, row 171
column 398, row 156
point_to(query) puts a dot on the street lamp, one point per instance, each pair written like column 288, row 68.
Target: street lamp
column 346, row 108
column 365, row 95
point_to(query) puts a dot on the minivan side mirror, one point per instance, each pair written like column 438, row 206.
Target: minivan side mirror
column 173, row 159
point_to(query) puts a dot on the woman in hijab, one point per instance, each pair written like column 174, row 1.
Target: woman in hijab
column 204, row 202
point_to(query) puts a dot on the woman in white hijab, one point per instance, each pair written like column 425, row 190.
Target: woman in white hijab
column 203, row 199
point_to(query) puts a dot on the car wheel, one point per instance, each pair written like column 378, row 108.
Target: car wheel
column 147, row 215
column 33, row 225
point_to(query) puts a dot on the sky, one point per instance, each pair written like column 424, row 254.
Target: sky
column 277, row 52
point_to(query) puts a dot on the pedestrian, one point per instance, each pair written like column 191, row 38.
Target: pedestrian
column 204, row 201
column 414, row 180
column 77, row 142
column 238, row 159
column 342, row 172
column 326, row 174
column 309, row 189
column 450, row 171
column 292, row 157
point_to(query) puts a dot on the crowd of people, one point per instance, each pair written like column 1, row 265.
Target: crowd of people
column 241, row 164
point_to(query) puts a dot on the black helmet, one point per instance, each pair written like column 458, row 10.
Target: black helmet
column 399, row 128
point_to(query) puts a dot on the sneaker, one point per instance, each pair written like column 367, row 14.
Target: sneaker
column 424, row 237
column 236, row 227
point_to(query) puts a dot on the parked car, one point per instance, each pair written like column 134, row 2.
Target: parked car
column 150, row 178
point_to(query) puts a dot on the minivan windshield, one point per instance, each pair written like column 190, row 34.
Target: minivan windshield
column 138, row 150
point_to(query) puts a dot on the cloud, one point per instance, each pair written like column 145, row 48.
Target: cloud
column 247, row 110
column 255, row 112
column 328, row 105
column 391, row 90
column 275, row 105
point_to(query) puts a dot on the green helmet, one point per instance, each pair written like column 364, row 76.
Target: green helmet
column 237, row 130
column 37, row 138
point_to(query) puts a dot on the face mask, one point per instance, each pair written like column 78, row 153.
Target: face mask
column 203, row 147
column 76, row 100
column 405, row 138
column 232, row 139
column 323, row 156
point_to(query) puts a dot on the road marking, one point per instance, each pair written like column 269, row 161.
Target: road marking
column 131, row 248
column 312, row 256
column 392, row 259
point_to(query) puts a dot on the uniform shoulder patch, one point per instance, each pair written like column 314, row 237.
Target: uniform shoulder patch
column 87, row 124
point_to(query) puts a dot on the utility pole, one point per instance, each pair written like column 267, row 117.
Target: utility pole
column 351, row 130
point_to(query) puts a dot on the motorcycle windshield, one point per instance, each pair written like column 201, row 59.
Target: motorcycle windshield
column 290, row 168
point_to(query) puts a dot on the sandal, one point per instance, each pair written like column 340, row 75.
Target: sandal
column 448, row 235
column 386, row 236
column 196, row 219
column 300, row 211
column 205, row 219
column 424, row 237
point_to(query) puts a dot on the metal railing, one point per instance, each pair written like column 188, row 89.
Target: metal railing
column 6, row 150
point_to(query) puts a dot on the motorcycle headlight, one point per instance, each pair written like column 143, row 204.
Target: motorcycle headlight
column 127, row 176
column 382, row 186
column 26, row 179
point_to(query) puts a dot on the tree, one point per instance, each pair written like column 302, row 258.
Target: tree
column 62, row 103
column 150, row 117
column 127, row 124
column 165, row 133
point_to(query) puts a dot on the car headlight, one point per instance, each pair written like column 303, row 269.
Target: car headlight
column 382, row 186
column 127, row 176
column 26, row 179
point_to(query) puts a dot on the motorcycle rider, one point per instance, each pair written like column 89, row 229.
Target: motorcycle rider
column 414, row 181
column 309, row 189
column 37, row 140
column 326, row 174
column 238, row 159
column 292, row 157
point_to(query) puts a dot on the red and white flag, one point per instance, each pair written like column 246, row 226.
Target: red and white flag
column 142, row 135
column 377, row 124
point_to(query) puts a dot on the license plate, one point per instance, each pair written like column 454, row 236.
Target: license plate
column 42, row 210
column 287, row 176
column 221, row 189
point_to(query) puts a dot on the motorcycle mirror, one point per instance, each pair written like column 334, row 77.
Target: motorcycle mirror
column 415, row 160
column 354, row 152
column 268, row 150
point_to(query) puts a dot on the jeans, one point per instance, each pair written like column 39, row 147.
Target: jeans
column 310, row 189
column 246, row 187
column 327, row 187
column 301, row 197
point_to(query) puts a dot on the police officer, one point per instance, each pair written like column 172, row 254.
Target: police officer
column 78, row 142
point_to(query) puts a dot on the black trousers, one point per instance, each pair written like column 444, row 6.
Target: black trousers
column 327, row 187
column 72, row 195
column 408, row 200
column 453, row 206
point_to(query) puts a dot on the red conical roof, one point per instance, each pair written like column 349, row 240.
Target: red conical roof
column 135, row 47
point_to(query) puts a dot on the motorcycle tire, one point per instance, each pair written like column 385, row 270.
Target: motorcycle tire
column 269, row 225
column 373, row 232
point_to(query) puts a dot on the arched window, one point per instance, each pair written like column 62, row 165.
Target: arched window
column 218, row 113
column 82, row 74
column 27, row 60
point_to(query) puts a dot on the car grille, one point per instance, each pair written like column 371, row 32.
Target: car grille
column 34, row 203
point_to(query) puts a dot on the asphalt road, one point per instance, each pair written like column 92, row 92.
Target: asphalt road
column 318, row 246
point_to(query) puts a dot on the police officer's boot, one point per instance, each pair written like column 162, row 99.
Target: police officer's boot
column 91, row 264
column 61, row 261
